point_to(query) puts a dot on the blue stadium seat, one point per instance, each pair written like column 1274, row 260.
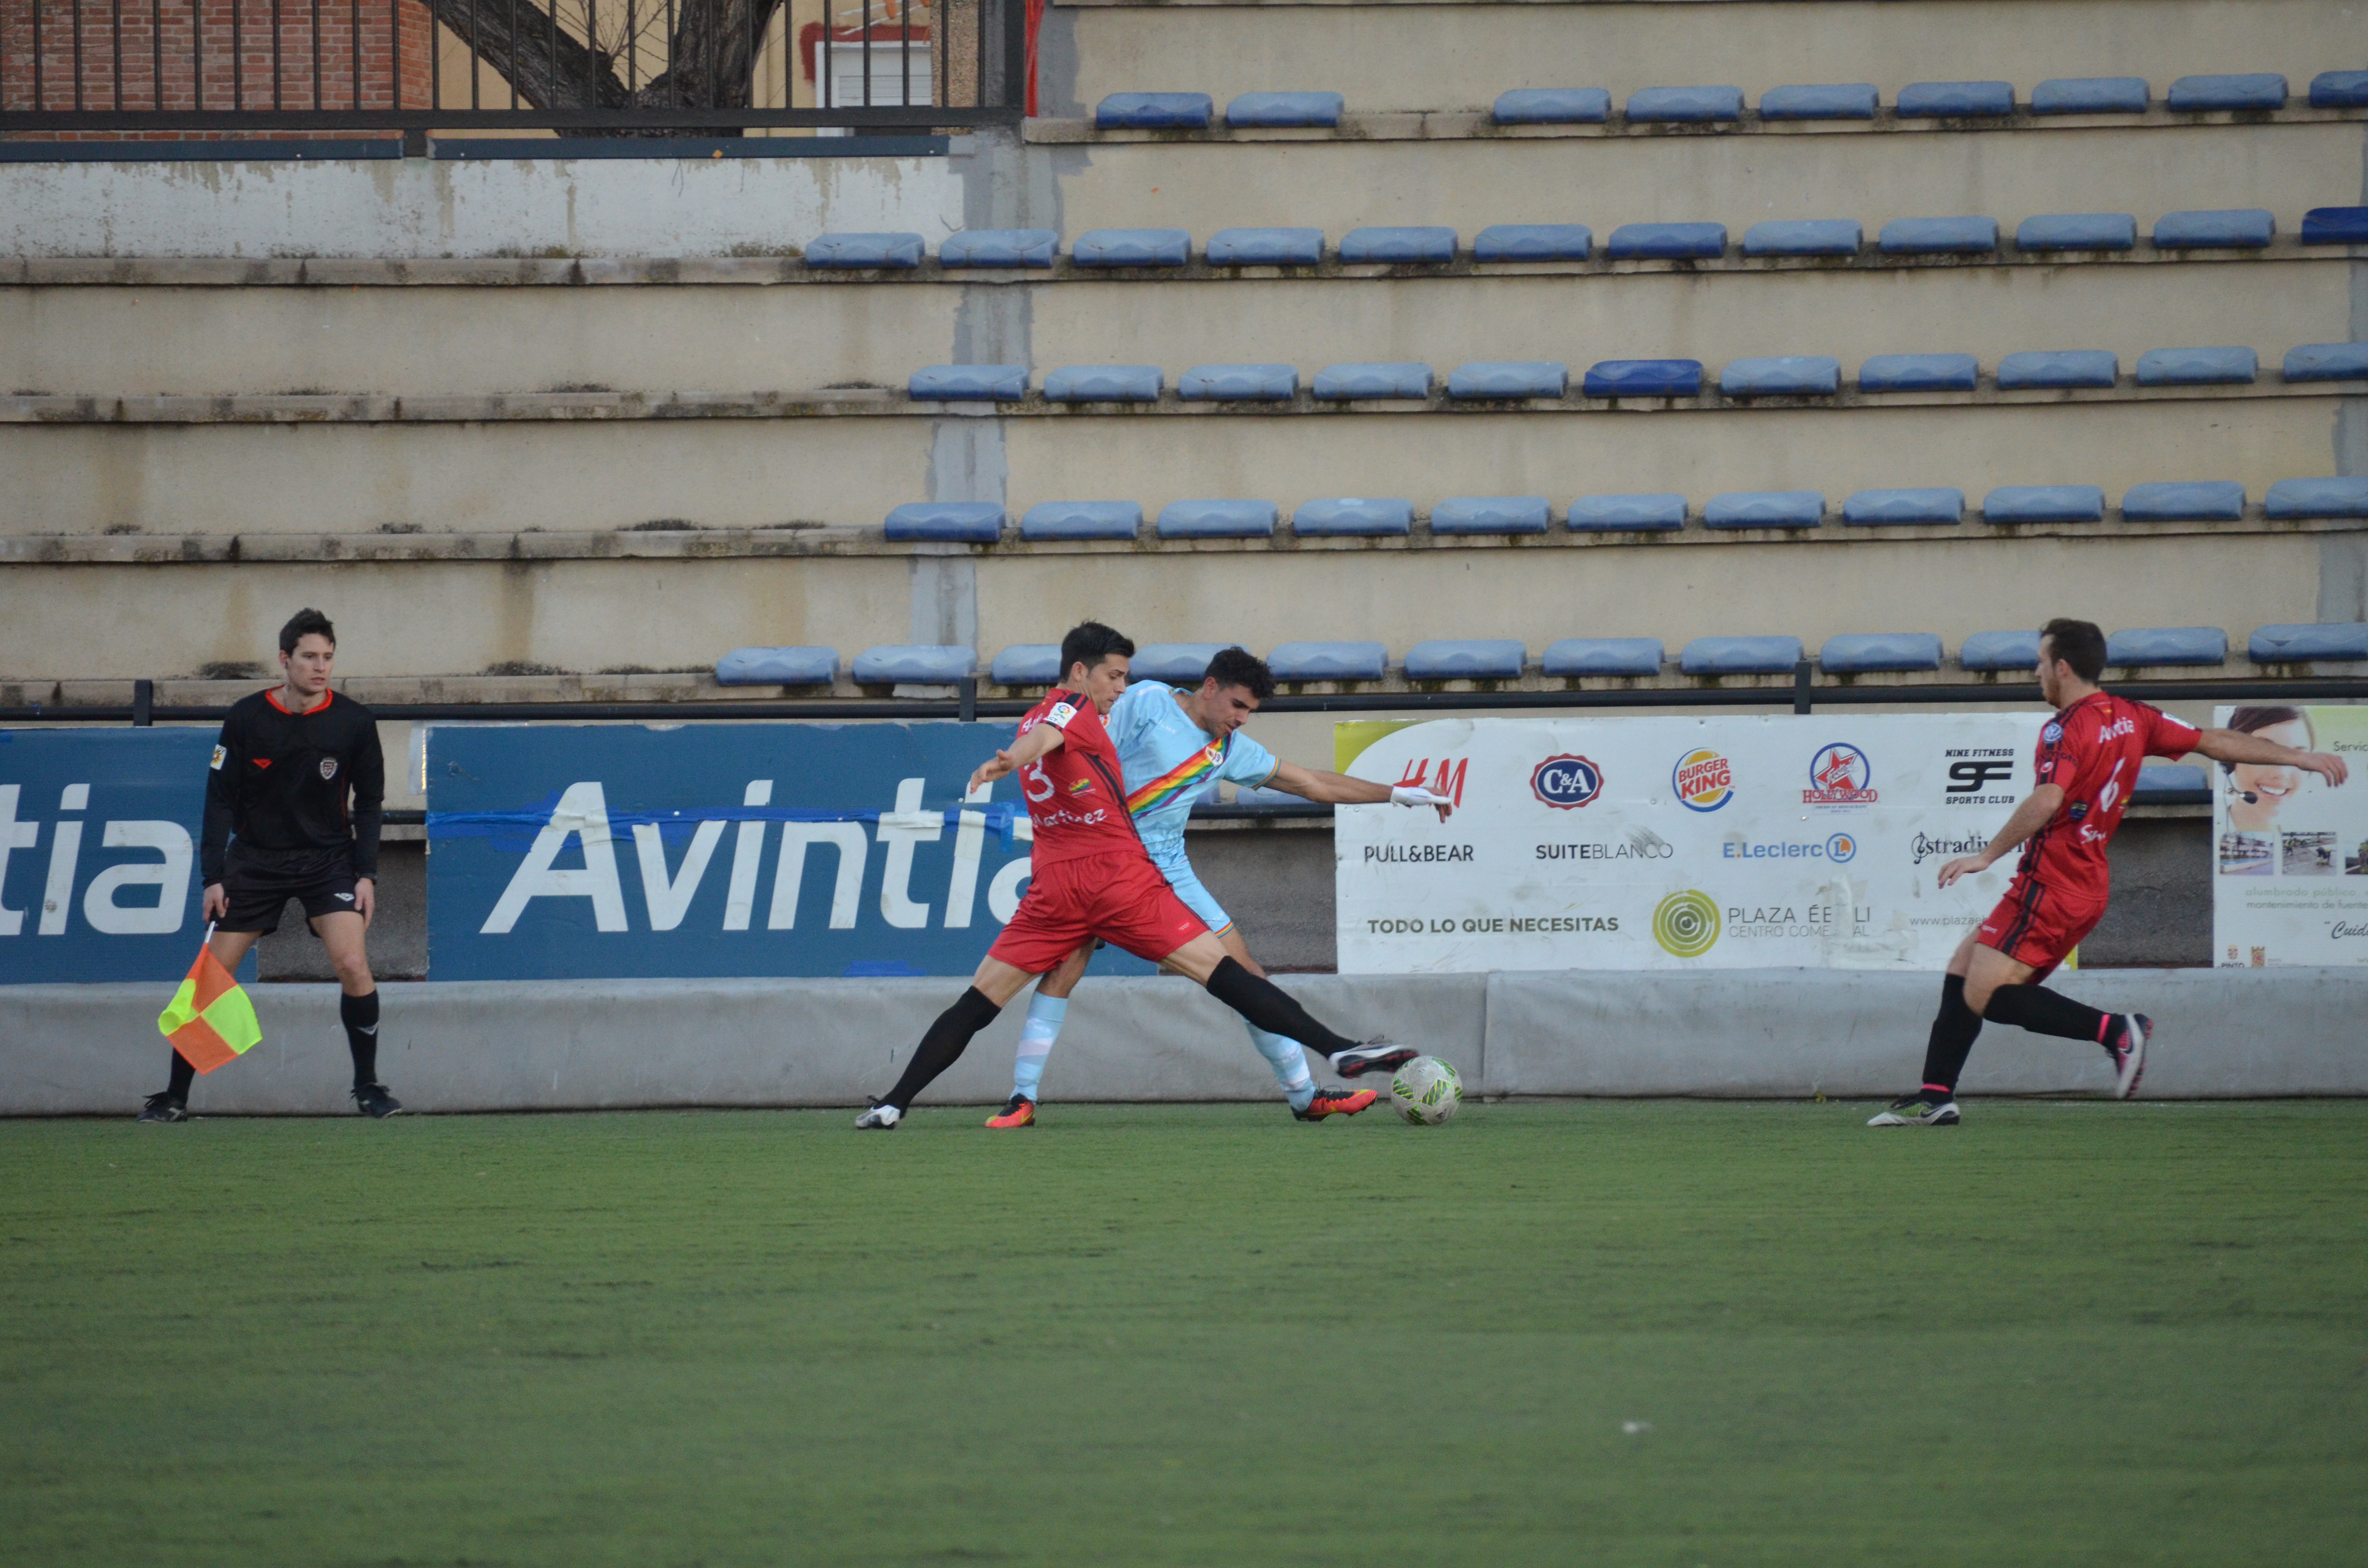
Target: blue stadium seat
column 2197, row 366
column 1795, row 375
column 1132, row 247
column 1835, row 101
column 1344, row 514
column 1644, row 378
column 2239, row 228
column 1329, row 661
column 2059, row 368
column 2335, row 226
column 1765, row 509
column 2167, row 645
column 2316, row 498
column 1954, row 100
column 2339, row 89
column 1238, row 383
column 1508, row 378
column 1466, row 658
column 1685, row 105
column 999, row 247
column 949, row 522
column 1938, row 237
column 2185, row 501
column 1178, row 663
column 2078, row 231
column 968, row 383
column 1403, row 246
column 1082, row 519
column 1604, row 656
column 1645, row 242
column 1890, row 509
column 2327, row 362
column 2289, row 644
column 1999, row 651
column 1533, row 242
column 1805, row 237
column 1865, row 653
column 1920, row 373
column 1491, row 514
column 1266, row 247
column 2169, row 783
column 2091, row 95
column 1284, row 109
column 2192, row 95
column 864, row 250
column 913, row 664
column 1104, row 384
column 1740, row 655
column 1553, row 106
column 778, row 666
column 1341, row 383
column 1626, row 513
column 1155, row 111
column 1218, row 519
column 1027, row 663
column 2044, row 504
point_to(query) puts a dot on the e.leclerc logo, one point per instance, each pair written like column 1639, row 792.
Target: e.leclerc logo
column 1839, row 775
column 1703, row 780
column 1567, row 782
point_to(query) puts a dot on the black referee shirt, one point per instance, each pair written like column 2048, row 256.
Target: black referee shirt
column 281, row 782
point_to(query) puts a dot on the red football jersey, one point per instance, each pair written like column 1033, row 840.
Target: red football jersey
column 1077, row 794
column 2092, row 750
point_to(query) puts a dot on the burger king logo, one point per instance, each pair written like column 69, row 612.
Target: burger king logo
column 1703, row 781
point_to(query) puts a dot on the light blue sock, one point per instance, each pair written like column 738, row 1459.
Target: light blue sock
column 1036, row 1038
column 1290, row 1064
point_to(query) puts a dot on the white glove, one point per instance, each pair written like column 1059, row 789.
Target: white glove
column 1414, row 795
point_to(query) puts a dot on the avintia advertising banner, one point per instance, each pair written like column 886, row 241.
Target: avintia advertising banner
column 2290, row 860
column 1679, row 843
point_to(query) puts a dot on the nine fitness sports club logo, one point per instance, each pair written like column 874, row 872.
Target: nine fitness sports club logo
column 1567, row 782
column 1703, row 780
column 1839, row 775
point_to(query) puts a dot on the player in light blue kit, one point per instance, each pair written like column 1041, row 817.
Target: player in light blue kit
column 1174, row 746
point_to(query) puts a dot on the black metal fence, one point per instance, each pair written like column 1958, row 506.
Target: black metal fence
column 184, row 69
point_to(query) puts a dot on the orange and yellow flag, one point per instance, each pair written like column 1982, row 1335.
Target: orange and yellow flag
column 210, row 1021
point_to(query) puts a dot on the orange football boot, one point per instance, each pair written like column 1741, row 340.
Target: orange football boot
column 1335, row 1102
column 1017, row 1111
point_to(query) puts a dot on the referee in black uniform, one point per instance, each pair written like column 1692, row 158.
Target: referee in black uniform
column 278, row 826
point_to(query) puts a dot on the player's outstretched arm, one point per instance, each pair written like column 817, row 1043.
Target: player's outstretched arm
column 2234, row 746
column 2029, row 817
column 1339, row 789
column 1028, row 748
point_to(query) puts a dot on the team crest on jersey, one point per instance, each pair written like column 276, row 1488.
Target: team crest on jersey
column 328, row 768
column 2053, row 733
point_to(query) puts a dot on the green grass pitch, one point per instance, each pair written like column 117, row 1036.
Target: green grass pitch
column 1663, row 1334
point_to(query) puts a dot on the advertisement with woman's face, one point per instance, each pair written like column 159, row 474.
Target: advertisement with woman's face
column 2290, row 851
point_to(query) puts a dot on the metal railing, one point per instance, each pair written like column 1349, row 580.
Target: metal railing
column 104, row 69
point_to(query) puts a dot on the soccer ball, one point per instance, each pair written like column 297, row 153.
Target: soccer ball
column 1426, row 1091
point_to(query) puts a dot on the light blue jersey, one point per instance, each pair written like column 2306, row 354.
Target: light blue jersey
column 1170, row 765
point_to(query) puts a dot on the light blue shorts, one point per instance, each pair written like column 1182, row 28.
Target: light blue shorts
column 1179, row 874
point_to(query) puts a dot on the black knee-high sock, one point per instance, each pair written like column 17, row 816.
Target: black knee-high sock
column 1952, row 1036
column 2041, row 1011
column 1270, row 1008
column 183, row 1076
column 943, row 1044
column 360, row 1016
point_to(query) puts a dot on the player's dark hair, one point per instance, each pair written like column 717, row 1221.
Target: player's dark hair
column 2253, row 721
column 2079, row 643
column 302, row 624
column 1088, row 644
column 1239, row 666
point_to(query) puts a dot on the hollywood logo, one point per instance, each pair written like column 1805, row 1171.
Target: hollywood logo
column 1567, row 782
column 1447, row 782
column 1703, row 781
column 1839, row 775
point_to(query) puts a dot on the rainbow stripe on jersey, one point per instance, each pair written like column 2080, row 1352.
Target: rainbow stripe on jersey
column 1179, row 779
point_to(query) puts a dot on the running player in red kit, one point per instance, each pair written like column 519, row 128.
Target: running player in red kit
column 2088, row 759
column 1091, row 876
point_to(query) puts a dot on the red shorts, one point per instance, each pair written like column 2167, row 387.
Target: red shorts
column 2039, row 925
column 1120, row 898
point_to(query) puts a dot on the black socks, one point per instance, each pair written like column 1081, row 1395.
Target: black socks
column 943, row 1045
column 1952, row 1038
column 2041, row 1011
column 1270, row 1008
column 183, row 1076
column 359, row 1014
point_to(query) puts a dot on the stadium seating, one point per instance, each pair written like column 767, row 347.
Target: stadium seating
column 969, row 383
column 1104, row 384
column 913, row 664
column 1850, row 100
column 1685, row 105
column 2280, row 644
column 1644, row 378
column 1339, row 383
column 2239, row 228
column 1920, row 372
column 2091, row 95
column 2339, row 89
column 1552, row 106
column 1178, row 663
column 1508, row 378
column 1645, row 242
column 864, row 251
column 1296, row 109
column 1938, row 237
column 2167, row 645
column 2172, row 783
column 1805, row 237
column 2078, row 231
column 1266, row 247
column 1999, row 651
column 2059, row 368
column 778, row 666
column 2335, row 226
column 1870, row 653
column 1238, row 383
column 2185, row 501
column 1132, row 247
column 1740, row 655
column 952, row 522
column 1765, row 509
column 999, row 247
column 2196, row 94
column 2304, row 498
column 1081, row 519
column 2044, row 504
column 1466, row 658
column 2327, row 362
column 1217, row 520
column 1880, row 508
column 1811, row 375
column 2197, row 366
column 1955, row 100
column 1403, row 246
column 1581, row 657
column 1027, row 663
column 1155, row 111
column 1533, row 242
column 1620, row 514
column 1491, row 514
column 1352, row 516
column 1329, row 661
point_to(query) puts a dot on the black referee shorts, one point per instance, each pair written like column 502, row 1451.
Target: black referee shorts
column 259, row 884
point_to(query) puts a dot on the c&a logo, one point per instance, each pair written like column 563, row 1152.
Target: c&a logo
column 1703, row 781
column 1449, row 781
column 1686, row 925
column 1567, row 782
column 1839, row 775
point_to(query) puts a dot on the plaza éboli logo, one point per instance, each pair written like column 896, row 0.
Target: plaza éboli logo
column 1703, row 780
column 1839, row 775
column 1567, row 782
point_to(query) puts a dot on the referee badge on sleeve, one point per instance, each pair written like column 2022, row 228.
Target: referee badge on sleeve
column 222, row 754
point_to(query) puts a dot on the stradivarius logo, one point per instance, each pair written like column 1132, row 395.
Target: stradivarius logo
column 1686, row 925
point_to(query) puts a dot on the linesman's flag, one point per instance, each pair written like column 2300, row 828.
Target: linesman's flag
column 210, row 1021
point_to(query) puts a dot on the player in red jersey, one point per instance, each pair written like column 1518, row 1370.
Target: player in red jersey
column 2087, row 760
column 1092, row 878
